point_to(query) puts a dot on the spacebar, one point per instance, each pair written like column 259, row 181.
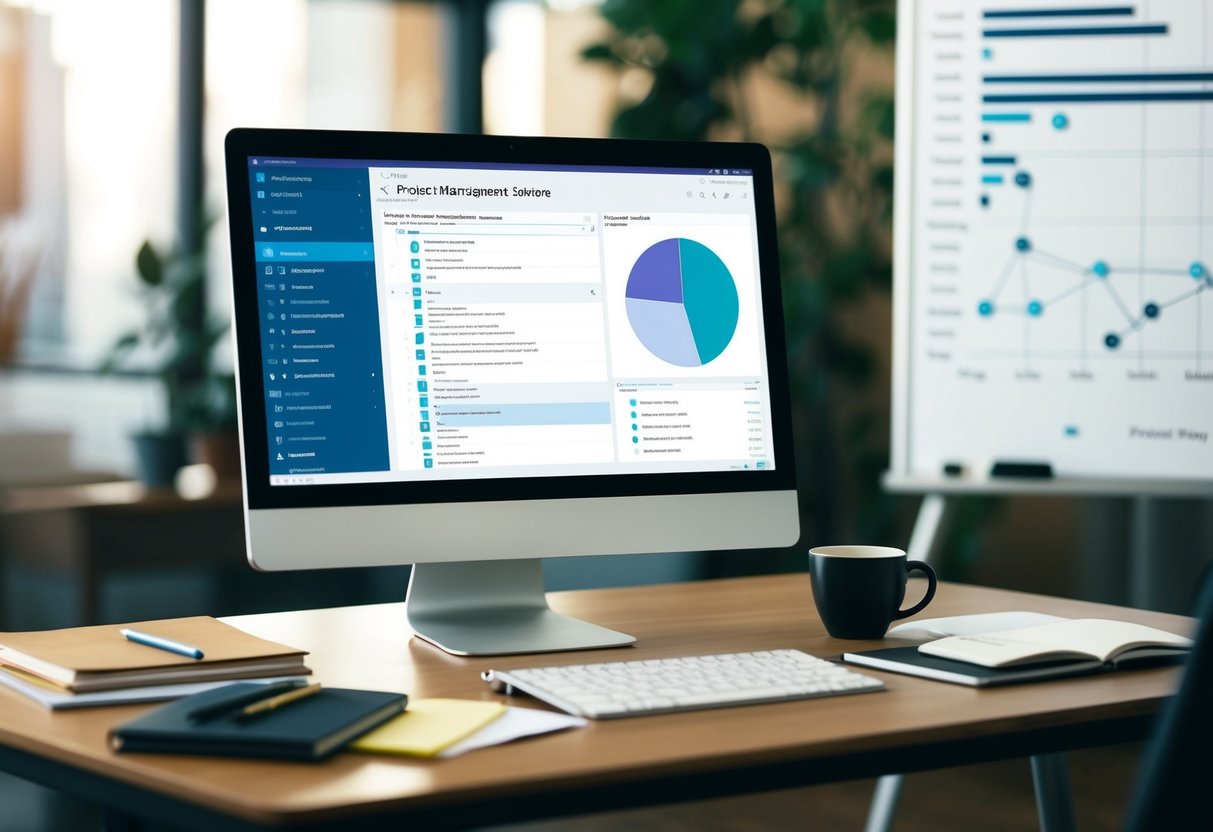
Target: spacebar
column 728, row 696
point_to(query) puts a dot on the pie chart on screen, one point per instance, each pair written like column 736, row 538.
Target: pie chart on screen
column 682, row 302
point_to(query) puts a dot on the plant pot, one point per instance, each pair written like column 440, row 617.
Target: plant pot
column 220, row 450
column 159, row 457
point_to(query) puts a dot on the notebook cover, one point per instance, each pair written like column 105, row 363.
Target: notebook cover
column 909, row 661
column 102, row 648
column 309, row 729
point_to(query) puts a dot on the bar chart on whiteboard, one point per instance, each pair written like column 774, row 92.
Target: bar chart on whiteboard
column 1061, row 264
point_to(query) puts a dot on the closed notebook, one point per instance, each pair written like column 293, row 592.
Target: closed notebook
column 100, row 658
column 309, row 729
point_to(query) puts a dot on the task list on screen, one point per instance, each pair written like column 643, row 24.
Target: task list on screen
column 425, row 322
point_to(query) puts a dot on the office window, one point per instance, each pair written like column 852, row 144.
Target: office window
column 88, row 95
column 88, row 139
column 535, row 81
column 94, row 137
column 339, row 64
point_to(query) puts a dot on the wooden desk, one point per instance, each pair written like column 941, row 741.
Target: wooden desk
column 915, row 725
column 86, row 532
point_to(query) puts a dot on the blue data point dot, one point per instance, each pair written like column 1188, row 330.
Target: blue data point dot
column 987, row 53
column 1023, row 244
column 634, row 426
column 1197, row 270
column 1035, row 308
column 1023, row 179
column 633, row 414
column 985, row 201
column 1100, row 269
column 1111, row 340
column 1151, row 310
column 635, row 439
column 985, row 308
column 985, row 137
column 1060, row 121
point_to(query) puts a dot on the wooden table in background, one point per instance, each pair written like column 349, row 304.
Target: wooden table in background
column 88, row 532
column 916, row 725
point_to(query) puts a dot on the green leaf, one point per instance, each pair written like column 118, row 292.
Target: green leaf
column 880, row 26
column 882, row 177
column 188, row 304
column 600, row 52
column 119, row 351
column 878, row 116
column 127, row 341
column 149, row 264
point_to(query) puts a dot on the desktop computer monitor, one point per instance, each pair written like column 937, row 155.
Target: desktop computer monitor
column 467, row 353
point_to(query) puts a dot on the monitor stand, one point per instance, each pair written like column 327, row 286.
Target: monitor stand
column 495, row 608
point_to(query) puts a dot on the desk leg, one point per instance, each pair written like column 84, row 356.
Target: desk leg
column 934, row 513
column 1054, row 804
column 884, row 803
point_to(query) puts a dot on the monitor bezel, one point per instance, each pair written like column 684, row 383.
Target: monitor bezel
column 242, row 144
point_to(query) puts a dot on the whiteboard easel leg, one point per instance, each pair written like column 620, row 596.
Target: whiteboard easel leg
column 1142, row 593
column 929, row 527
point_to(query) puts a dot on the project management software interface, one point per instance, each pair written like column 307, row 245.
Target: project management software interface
column 425, row 321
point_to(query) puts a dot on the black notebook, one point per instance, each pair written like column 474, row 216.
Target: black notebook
column 309, row 729
column 910, row 661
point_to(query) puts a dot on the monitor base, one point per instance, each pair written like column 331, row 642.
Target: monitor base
column 495, row 608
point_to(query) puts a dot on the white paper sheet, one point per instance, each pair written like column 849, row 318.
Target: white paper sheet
column 970, row 625
column 514, row 724
column 58, row 700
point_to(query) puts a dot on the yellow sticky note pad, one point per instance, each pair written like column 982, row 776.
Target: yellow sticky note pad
column 428, row 726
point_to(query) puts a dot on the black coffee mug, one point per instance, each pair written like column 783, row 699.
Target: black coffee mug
column 859, row 589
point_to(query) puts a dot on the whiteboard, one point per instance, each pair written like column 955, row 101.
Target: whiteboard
column 1053, row 218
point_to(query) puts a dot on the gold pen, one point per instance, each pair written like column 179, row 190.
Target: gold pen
column 272, row 703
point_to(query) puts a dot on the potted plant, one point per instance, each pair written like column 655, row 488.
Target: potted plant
column 177, row 339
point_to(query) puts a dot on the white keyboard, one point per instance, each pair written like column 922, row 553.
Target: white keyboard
column 656, row 686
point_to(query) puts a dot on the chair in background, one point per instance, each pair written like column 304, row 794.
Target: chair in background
column 1177, row 766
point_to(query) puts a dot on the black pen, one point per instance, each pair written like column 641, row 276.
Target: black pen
column 236, row 702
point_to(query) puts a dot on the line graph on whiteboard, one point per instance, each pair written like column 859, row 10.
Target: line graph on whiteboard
column 1034, row 283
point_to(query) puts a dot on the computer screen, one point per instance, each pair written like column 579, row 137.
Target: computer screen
column 484, row 349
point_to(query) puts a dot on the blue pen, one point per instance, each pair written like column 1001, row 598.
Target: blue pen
column 162, row 643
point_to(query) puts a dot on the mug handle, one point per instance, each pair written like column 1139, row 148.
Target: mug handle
column 919, row 566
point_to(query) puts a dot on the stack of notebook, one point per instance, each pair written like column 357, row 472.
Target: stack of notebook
column 99, row 665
